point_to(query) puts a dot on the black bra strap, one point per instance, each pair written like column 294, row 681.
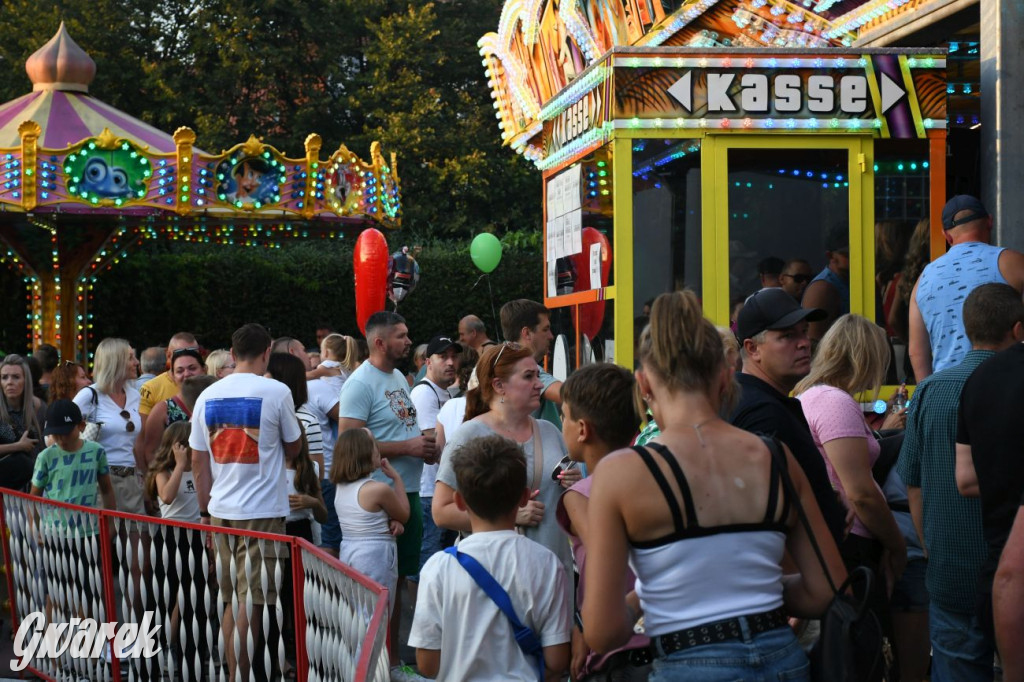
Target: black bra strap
column 684, row 486
column 670, row 497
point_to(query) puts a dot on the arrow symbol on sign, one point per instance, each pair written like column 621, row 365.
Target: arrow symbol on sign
column 892, row 93
column 683, row 91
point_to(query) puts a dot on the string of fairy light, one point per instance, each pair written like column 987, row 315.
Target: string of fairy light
column 178, row 196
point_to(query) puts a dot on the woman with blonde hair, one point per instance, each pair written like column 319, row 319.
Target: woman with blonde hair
column 852, row 358
column 113, row 403
column 702, row 515
column 219, row 363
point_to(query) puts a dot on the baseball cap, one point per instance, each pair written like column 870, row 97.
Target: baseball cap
column 61, row 418
column 772, row 309
column 838, row 239
column 440, row 344
column 962, row 202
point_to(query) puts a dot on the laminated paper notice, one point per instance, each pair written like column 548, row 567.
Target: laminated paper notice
column 577, row 231
column 552, row 277
column 595, row 266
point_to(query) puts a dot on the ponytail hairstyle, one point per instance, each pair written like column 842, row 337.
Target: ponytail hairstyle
column 496, row 362
column 680, row 346
column 344, row 349
column 163, row 460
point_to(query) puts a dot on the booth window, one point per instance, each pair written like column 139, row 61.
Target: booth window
column 788, row 213
column 666, row 218
column 902, row 241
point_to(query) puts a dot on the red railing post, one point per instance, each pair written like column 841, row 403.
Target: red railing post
column 107, row 572
column 299, row 607
column 8, row 565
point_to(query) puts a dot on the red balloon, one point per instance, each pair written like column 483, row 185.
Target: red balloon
column 592, row 314
column 370, row 263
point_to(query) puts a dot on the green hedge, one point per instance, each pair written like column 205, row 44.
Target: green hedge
column 212, row 290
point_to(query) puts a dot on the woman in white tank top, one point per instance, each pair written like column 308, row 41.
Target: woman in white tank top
column 701, row 516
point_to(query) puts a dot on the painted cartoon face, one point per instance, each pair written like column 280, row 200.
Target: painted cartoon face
column 248, row 180
column 105, row 180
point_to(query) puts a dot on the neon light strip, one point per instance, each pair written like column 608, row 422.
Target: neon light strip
column 823, row 124
column 851, row 21
column 916, row 62
column 575, row 91
column 595, row 136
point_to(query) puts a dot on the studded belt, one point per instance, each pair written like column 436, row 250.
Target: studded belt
column 718, row 631
column 122, row 471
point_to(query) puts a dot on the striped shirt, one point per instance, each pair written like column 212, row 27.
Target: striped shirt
column 311, row 425
column 952, row 523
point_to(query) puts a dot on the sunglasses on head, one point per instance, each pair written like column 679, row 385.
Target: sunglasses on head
column 799, row 279
column 191, row 350
column 507, row 344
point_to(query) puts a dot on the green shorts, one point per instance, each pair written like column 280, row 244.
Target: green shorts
column 410, row 541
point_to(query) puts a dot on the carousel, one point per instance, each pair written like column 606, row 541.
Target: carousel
column 83, row 184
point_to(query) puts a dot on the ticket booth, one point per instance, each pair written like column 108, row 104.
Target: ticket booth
column 671, row 167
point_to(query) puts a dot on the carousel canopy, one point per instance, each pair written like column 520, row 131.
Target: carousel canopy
column 60, row 104
column 82, row 183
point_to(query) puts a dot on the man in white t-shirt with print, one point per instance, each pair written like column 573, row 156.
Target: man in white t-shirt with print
column 376, row 396
column 243, row 431
column 428, row 396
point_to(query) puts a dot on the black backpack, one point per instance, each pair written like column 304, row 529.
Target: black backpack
column 850, row 646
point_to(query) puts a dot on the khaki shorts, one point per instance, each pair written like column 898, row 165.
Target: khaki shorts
column 127, row 494
column 266, row 558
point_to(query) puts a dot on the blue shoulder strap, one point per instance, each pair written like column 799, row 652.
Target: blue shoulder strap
column 525, row 637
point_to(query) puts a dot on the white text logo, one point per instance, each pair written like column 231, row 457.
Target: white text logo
column 82, row 638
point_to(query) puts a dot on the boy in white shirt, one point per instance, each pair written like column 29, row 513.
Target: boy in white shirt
column 458, row 631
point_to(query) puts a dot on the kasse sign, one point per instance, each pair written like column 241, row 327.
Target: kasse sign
column 734, row 94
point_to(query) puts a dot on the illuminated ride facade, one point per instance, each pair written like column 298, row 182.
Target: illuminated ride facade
column 683, row 143
column 83, row 184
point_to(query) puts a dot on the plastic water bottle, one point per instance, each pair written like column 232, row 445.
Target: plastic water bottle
column 900, row 400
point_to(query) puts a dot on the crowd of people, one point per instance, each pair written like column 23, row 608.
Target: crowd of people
column 615, row 526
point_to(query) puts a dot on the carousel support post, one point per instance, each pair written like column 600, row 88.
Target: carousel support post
column 313, row 145
column 184, row 137
column 29, row 132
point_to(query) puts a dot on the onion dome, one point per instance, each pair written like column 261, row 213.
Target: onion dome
column 61, row 64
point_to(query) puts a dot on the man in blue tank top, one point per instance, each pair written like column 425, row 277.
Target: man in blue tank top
column 830, row 288
column 937, row 336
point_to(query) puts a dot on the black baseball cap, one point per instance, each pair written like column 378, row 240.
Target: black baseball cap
column 61, row 418
column 772, row 309
column 962, row 202
column 440, row 344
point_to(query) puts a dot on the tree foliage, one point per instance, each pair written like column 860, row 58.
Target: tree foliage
column 406, row 73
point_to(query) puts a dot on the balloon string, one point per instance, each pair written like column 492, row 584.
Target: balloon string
column 490, row 295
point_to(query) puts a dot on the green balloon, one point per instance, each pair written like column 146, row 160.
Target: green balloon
column 485, row 252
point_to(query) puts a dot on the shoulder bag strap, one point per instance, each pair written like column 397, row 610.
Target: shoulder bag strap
column 525, row 637
column 95, row 404
column 538, row 455
column 780, row 458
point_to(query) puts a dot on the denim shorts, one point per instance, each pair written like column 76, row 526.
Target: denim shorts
column 910, row 595
column 772, row 656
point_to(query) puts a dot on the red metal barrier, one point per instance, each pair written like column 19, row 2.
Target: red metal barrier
column 338, row 611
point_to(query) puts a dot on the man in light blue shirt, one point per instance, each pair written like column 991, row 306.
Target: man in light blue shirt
column 376, row 396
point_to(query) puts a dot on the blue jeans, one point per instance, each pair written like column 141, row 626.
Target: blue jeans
column 961, row 651
column 330, row 532
column 434, row 539
column 771, row 656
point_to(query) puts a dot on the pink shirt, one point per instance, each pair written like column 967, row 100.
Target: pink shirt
column 833, row 413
